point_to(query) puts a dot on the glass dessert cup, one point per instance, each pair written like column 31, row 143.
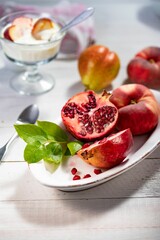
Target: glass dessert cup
column 30, row 56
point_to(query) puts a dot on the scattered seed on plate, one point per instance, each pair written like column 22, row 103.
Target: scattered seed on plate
column 74, row 171
column 76, row 177
column 87, row 176
column 97, row 171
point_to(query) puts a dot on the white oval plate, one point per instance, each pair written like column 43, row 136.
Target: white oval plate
column 62, row 178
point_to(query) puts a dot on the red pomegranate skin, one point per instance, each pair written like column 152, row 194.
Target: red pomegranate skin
column 89, row 116
column 108, row 152
column 144, row 68
column 138, row 108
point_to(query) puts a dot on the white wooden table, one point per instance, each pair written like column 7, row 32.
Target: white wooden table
column 124, row 208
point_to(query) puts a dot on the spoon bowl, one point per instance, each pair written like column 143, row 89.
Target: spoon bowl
column 29, row 114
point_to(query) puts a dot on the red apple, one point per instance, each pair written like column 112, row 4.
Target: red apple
column 137, row 107
column 98, row 67
column 144, row 68
column 108, row 152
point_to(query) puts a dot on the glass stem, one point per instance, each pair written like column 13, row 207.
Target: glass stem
column 31, row 74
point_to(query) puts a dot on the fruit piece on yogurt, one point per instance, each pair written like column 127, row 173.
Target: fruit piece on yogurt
column 41, row 25
column 12, row 33
column 18, row 27
column 23, row 22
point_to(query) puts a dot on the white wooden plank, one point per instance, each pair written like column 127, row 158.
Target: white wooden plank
column 59, row 218
column 82, row 233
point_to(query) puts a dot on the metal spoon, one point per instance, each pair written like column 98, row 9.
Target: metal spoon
column 78, row 19
column 28, row 115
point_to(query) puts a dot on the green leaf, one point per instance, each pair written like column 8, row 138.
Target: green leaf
column 47, row 141
column 67, row 152
column 53, row 130
column 34, row 152
column 74, row 147
column 54, row 152
column 31, row 133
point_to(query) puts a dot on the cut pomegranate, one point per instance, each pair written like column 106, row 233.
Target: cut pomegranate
column 89, row 116
column 108, row 152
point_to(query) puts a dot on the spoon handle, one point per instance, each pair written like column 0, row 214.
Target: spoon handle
column 4, row 149
column 81, row 17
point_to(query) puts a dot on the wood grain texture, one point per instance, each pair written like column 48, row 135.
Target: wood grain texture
column 58, row 218
column 124, row 208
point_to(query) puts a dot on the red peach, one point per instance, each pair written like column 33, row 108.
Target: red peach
column 145, row 67
column 137, row 108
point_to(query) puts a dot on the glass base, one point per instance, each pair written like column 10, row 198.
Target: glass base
column 35, row 84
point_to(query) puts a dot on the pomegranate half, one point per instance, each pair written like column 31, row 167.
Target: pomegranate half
column 89, row 116
column 108, row 152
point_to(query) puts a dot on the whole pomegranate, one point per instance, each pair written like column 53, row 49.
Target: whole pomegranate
column 138, row 108
column 108, row 152
column 89, row 116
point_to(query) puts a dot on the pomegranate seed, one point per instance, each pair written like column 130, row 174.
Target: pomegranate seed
column 86, row 145
column 97, row 171
column 76, row 177
column 73, row 171
column 87, row 176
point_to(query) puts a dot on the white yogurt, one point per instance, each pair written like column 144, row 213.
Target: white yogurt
column 27, row 49
column 46, row 35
